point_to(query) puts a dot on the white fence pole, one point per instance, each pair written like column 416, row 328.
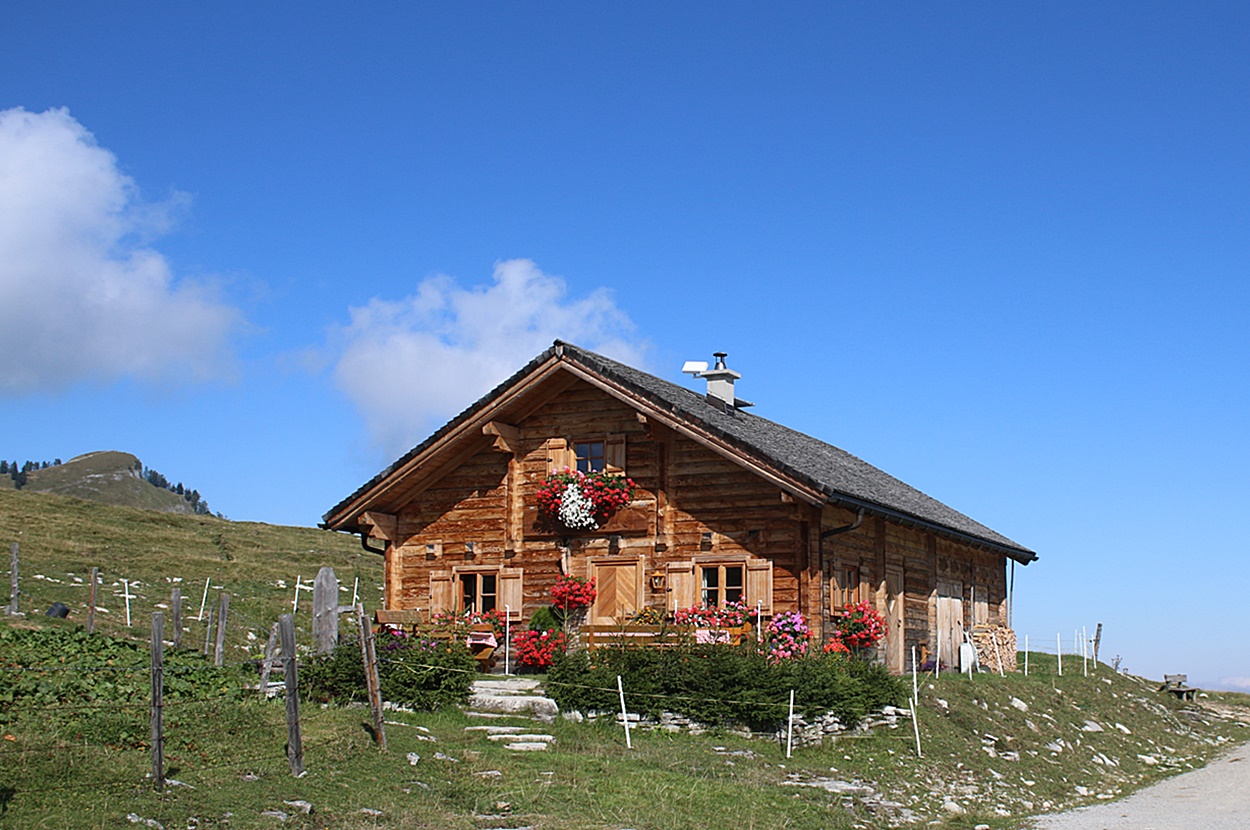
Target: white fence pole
column 629, row 744
column 203, row 600
column 1059, row 652
column 507, row 640
column 126, row 594
column 790, row 726
column 1026, row 655
column 915, row 702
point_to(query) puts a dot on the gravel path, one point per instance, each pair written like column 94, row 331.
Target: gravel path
column 1216, row 797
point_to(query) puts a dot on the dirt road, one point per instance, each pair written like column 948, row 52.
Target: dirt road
column 1216, row 797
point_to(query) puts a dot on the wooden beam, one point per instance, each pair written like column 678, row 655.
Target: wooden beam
column 507, row 436
column 381, row 525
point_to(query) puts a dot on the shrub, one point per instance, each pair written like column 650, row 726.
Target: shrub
column 423, row 674
column 716, row 684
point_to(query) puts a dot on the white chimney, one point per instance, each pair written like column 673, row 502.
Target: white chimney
column 720, row 382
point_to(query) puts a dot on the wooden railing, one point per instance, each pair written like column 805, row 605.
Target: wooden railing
column 632, row 634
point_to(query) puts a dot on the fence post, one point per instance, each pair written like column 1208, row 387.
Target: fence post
column 158, row 700
column 267, row 666
column 95, row 581
column 1097, row 643
column 325, row 611
column 372, row 684
column 915, row 702
column 294, row 743
column 175, row 607
column 790, row 726
column 208, row 631
column 223, row 613
column 13, row 590
column 629, row 744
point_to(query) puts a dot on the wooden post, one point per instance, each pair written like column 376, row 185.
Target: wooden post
column 372, row 684
column 223, row 613
column 175, row 608
column 95, row 581
column 208, row 632
column 325, row 611
column 13, row 590
column 267, row 666
column 1097, row 643
column 294, row 743
column 158, row 700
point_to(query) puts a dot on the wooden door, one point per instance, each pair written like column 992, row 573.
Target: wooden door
column 950, row 622
column 895, row 658
column 619, row 587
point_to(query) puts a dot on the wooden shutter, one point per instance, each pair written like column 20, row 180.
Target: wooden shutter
column 614, row 454
column 760, row 584
column 680, row 580
column 559, row 455
column 442, row 592
column 510, row 593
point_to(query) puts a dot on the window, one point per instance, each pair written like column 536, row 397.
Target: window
column 478, row 592
column 590, row 456
column 720, row 584
column 845, row 586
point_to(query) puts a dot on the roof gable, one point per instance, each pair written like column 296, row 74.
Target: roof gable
column 815, row 469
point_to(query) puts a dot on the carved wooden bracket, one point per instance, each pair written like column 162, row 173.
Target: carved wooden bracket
column 507, row 436
column 381, row 525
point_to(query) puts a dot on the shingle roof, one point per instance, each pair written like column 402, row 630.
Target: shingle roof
column 840, row 476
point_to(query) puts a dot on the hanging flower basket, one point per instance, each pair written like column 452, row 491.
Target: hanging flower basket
column 582, row 501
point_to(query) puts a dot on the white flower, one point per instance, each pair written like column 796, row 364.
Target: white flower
column 576, row 508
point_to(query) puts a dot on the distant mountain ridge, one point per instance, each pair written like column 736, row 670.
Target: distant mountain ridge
column 109, row 477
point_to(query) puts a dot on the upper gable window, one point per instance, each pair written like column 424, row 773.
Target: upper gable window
column 590, row 456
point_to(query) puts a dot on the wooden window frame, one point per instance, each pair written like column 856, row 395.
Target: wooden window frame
column 846, row 585
column 478, row 577
column 569, row 452
column 722, row 587
column 447, row 594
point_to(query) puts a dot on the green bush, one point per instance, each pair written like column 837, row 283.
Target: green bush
column 546, row 618
column 418, row 673
column 718, row 685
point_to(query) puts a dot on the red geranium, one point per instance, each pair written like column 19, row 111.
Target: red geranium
column 860, row 626
column 571, row 592
column 538, row 649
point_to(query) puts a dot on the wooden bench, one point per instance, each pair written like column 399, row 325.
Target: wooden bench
column 632, row 634
column 406, row 621
column 1176, row 684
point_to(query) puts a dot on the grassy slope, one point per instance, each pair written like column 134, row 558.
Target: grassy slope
column 71, row 770
column 62, row 538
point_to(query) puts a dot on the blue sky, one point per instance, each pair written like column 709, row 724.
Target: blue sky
column 998, row 250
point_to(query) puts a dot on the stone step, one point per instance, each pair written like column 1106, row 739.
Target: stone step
column 508, row 686
column 532, row 706
column 522, row 738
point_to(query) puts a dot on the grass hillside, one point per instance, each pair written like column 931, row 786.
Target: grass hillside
column 60, row 540
column 106, row 477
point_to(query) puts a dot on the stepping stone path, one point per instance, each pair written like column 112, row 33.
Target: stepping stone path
column 512, row 697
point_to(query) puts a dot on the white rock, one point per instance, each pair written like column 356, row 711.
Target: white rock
column 1019, row 704
column 301, row 805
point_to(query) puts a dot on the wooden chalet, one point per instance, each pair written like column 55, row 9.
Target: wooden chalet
column 728, row 506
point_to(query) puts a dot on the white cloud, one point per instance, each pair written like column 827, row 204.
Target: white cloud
column 411, row 364
column 82, row 297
